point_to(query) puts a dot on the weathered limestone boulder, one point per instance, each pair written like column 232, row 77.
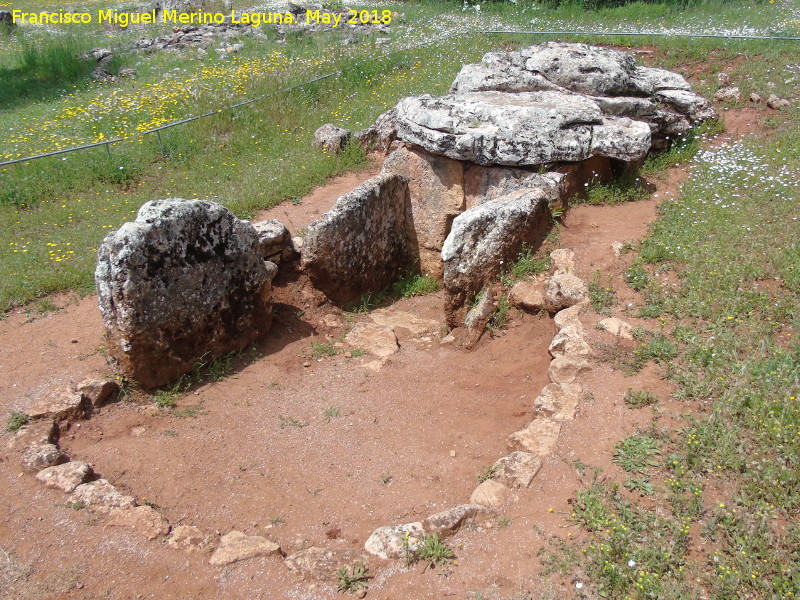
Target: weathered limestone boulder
column 482, row 184
column 569, row 317
column 436, row 186
column 569, row 342
column 65, row 477
column 616, row 327
column 65, row 405
column 380, row 135
column 520, row 129
column 388, row 542
column 236, row 546
column 331, row 139
column 190, row 538
column 364, row 242
column 563, row 261
column 483, row 238
column 478, row 316
column 728, row 94
column 183, row 280
column 777, row 103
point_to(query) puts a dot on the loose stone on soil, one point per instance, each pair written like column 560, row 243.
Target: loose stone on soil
column 616, row 327
column 569, row 341
column 564, row 290
column 565, row 369
column 65, row 477
column 101, row 496
column 540, row 437
column 449, row 521
column 517, row 470
column 61, row 406
column 190, row 538
column 98, row 391
column 236, row 546
column 375, row 339
column 144, row 519
column 490, row 493
column 387, row 542
column 559, row 401
column 40, row 456
column 527, row 295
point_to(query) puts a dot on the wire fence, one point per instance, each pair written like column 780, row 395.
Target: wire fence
column 158, row 130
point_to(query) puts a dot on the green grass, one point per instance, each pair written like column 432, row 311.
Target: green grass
column 321, row 350
column 16, row 421
column 639, row 398
column 635, row 454
column 527, row 263
column 354, row 579
column 414, row 284
column 602, row 296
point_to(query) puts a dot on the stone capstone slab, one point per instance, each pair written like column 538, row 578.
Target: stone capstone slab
column 184, row 280
column 364, row 242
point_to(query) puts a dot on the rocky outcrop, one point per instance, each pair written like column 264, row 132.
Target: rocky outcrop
column 364, row 242
column 484, row 237
column 183, row 280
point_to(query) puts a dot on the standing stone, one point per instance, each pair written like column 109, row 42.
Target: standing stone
column 364, row 242
column 482, row 184
column 380, row 135
column 436, row 185
column 484, row 238
column 182, row 281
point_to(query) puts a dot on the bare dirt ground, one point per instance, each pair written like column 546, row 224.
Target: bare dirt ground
column 263, row 451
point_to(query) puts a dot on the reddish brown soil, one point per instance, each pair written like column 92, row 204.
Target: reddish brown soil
column 429, row 419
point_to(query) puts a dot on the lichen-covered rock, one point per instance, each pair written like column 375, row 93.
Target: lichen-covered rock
column 520, row 129
column 436, row 186
column 390, row 542
column 688, row 103
column 65, row 477
column 183, row 280
column 236, row 546
column 331, row 138
column 483, row 238
column 364, row 242
column 728, row 94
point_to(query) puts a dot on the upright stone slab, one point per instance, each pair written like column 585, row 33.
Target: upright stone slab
column 485, row 238
column 436, row 184
column 184, row 280
column 364, row 242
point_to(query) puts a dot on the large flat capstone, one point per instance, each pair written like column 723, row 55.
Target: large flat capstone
column 184, row 280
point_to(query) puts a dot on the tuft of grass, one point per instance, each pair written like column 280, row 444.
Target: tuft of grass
column 291, row 422
column 366, row 303
column 636, row 453
column 487, row 473
column 527, row 263
column 16, row 421
column 331, row 413
column 639, row 398
column 354, row 579
column 627, row 188
column 433, row 551
column 414, row 284
column 321, row 349
column 637, row 277
column 500, row 317
column 602, row 297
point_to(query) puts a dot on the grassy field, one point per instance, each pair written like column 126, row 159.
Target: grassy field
column 708, row 509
